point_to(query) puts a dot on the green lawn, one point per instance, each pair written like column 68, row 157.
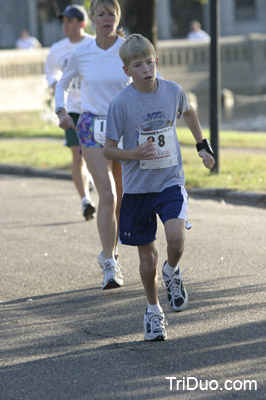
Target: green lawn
column 238, row 170
column 27, row 125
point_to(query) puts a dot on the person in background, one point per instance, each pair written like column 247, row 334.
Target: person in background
column 25, row 41
column 102, row 77
column 144, row 114
column 74, row 19
column 196, row 33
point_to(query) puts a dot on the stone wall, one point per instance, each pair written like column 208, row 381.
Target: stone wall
column 243, row 63
column 243, row 69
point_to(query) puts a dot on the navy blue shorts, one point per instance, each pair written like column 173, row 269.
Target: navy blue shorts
column 138, row 223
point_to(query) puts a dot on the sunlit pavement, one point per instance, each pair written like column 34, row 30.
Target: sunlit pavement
column 62, row 337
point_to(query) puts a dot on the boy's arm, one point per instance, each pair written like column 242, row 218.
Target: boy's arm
column 191, row 120
column 146, row 151
column 115, row 128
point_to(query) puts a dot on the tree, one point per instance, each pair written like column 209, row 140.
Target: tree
column 140, row 17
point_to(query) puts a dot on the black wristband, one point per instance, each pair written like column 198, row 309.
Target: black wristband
column 205, row 145
column 59, row 109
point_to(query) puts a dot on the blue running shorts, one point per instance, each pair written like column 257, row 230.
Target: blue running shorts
column 138, row 223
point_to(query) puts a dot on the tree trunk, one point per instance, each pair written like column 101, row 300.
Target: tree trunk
column 140, row 17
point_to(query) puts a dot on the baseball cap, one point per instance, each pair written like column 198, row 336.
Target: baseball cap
column 74, row 11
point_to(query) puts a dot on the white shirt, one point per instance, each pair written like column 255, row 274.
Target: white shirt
column 199, row 35
column 28, row 43
column 102, row 76
column 56, row 63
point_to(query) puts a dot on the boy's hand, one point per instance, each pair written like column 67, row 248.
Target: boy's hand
column 147, row 150
column 207, row 159
column 65, row 121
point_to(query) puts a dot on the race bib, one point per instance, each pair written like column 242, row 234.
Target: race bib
column 74, row 89
column 165, row 147
column 100, row 130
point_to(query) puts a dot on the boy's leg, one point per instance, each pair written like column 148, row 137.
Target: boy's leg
column 148, row 256
column 177, row 296
column 154, row 320
column 175, row 237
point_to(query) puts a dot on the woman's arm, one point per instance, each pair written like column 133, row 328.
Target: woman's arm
column 61, row 92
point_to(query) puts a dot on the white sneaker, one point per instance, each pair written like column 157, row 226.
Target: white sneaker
column 177, row 296
column 101, row 259
column 113, row 277
column 154, row 326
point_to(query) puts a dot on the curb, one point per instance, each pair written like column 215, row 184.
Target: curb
column 228, row 195
column 232, row 196
column 29, row 171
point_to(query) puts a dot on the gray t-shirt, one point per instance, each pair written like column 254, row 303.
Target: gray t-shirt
column 133, row 114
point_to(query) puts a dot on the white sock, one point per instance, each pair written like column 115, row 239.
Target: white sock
column 111, row 261
column 85, row 200
column 170, row 270
column 155, row 308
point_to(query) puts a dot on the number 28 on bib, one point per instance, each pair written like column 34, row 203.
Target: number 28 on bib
column 165, row 146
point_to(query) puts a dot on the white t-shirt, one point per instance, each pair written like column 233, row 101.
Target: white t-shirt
column 28, row 43
column 199, row 35
column 102, row 76
column 56, row 63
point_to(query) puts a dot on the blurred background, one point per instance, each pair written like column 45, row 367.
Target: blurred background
column 166, row 23
column 238, row 17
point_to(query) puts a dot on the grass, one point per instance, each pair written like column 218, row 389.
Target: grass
column 238, row 170
column 230, row 139
column 36, row 154
column 27, row 125
column 244, row 172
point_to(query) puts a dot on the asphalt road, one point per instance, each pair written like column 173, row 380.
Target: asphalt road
column 62, row 337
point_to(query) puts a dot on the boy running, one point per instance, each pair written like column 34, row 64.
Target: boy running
column 145, row 113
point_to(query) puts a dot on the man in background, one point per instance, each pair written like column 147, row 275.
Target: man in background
column 196, row 33
column 74, row 19
column 25, row 41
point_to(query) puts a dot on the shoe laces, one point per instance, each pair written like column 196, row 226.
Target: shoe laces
column 157, row 321
column 173, row 283
column 110, row 270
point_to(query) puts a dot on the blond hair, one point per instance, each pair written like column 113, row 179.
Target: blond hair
column 110, row 5
column 136, row 46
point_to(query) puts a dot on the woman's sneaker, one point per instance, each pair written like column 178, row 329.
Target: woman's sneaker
column 113, row 277
column 154, row 326
column 177, row 296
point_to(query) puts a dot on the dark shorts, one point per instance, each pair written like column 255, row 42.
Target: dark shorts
column 138, row 222
column 71, row 135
